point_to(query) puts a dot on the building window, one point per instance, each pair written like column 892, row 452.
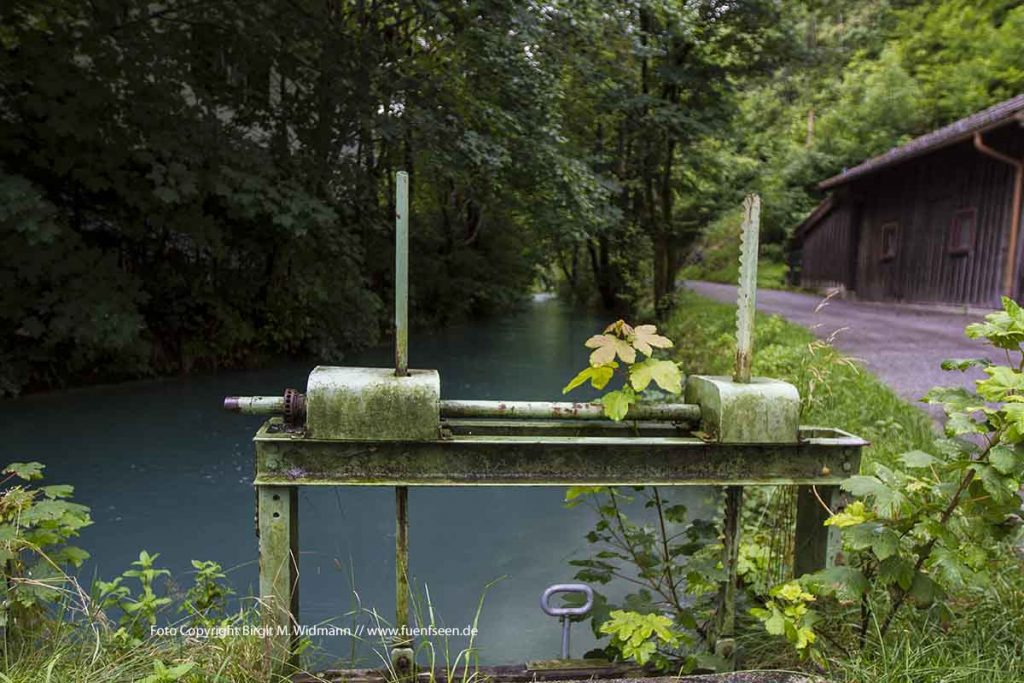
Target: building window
column 961, row 232
column 890, row 235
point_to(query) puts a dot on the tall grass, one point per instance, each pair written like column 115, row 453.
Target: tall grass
column 68, row 649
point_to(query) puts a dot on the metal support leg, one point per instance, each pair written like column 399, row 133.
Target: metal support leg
column 402, row 654
column 816, row 545
column 279, row 573
column 725, row 642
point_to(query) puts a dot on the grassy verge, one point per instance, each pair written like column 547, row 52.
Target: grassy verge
column 716, row 256
column 982, row 642
column 70, row 650
column 835, row 391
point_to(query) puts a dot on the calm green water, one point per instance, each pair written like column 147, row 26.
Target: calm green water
column 165, row 469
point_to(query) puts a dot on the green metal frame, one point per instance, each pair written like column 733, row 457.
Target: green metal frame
column 534, row 453
column 658, row 450
column 283, row 459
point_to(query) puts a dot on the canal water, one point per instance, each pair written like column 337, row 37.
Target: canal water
column 165, row 469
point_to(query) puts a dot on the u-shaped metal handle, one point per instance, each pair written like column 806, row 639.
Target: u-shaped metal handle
column 545, row 599
column 565, row 612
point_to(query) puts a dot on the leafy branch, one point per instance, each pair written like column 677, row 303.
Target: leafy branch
column 932, row 523
column 623, row 341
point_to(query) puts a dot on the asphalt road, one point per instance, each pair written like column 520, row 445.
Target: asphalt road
column 902, row 346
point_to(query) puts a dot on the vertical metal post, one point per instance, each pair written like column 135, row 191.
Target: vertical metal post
column 278, row 517
column 402, row 274
column 402, row 654
column 746, row 300
column 816, row 545
column 401, row 558
column 746, row 308
column 725, row 639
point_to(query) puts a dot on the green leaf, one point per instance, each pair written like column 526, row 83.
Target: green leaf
column 1004, row 459
column 865, row 485
column 846, row 582
column 616, row 403
column 1003, row 329
column 855, row 513
column 1002, row 489
column 886, row 543
column 598, row 375
column 924, row 591
column 918, row 459
column 1002, row 381
column 952, row 399
column 57, row 491
column 963, row 364
column 959, row 424
column 25, row 470
column 575, row 494
column 896, row 570
column 664, row 373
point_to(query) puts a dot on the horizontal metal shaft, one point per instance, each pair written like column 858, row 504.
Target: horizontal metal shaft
column 255, row 405
column 526, row 410
column 674, row 412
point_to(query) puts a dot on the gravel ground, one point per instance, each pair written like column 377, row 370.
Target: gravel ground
column 901, row 345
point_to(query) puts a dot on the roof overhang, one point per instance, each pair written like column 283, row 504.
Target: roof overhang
column 815, row 217
column 994, row 117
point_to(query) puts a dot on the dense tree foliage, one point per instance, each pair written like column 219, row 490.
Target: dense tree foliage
column 192, row 185
column 198, row 184
column 865, row 76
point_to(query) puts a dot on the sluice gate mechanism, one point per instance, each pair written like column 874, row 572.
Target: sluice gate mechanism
column 389, row 427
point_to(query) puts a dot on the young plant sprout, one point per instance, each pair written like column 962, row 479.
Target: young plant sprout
column 634, row 347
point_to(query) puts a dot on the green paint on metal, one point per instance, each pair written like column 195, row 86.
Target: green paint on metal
column 372, row 404
column 402, row 563
column 725, row 645
column 401, row 273
column 761, row 411
column 746, row 300
column 279, row 573
column 550, row 460
column 811, row 547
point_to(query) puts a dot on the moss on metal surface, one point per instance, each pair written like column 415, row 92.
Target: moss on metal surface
column 761, row 411
column 372, row 404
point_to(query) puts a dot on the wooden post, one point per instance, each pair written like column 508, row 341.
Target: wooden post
column 816, row 545
column 279, row 574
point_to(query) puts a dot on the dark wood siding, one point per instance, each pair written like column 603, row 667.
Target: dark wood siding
column 922, row 197
column 826, row 254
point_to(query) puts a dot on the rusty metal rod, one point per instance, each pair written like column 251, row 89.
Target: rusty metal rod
column 678, row 412
column 401, row 562
column 526, row 410
column 255, row 405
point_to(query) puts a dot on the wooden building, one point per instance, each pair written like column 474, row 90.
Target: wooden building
column 936, row 220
